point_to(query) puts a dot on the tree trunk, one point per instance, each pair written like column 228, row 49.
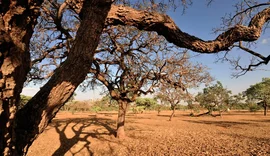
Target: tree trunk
column 159, row 111
column 265, row 110
column 210, row 111
column 17, row 21
column 32, row 119
column 120, row 132
column 173, row 111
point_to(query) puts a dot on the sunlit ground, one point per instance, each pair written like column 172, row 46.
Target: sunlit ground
column 235, row 133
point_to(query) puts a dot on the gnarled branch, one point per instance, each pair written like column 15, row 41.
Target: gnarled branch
column 165, row 26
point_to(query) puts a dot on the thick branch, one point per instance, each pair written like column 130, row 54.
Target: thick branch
column 165, row 26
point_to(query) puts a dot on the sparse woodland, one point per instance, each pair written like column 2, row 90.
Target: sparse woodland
column 126, row 46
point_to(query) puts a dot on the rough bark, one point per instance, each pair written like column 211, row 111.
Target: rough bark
column 173, row 112
column 165, row 26
column 34, row 117
column 120, row 132
column 17, row 21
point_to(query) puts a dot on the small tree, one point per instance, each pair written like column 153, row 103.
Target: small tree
column 214, row 97
column 187, row 75
column 260, row 92
column 171, row 95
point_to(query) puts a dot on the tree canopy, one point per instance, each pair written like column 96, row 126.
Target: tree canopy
column 214, row 97
column 261, row 93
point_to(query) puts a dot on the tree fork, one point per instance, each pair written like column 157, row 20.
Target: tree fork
column 40, row 110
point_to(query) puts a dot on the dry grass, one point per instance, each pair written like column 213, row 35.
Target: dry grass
column 148, row 134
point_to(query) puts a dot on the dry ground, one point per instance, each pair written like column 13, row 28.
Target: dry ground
column 235, row 133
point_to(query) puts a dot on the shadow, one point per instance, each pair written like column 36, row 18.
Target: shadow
column 243, row 112
column 108, row 113
column 167, row 116
column 224, row 124
column 80, row 129
column 263, row 121
column 92, row 116
column 252, row 138
column 175, row 115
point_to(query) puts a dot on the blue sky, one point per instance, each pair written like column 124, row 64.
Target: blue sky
column 199, row 20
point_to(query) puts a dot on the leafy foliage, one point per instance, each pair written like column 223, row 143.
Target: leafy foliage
column 24, row 100
column 260, row 92
column 237, row 102
column 214, row 97
column 253, row 107
column 147, row 103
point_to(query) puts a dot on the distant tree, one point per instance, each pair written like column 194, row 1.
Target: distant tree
column 106, row 103
column 214, row 97
column 237, row 101
column 173, row 96
column 261, row 93
column 147, row 103
column 77, row 106
column 193, row 106
column 188, row 74
column 24, row 100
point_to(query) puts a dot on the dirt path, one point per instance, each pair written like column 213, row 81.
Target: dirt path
column 148, row 134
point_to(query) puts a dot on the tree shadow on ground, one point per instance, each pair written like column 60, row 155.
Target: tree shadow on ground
column 138, row 117
column 244, row 113
column 108, row 113
column 167, row 116
column 262, row 120
column 79, row 128
column 224, row 124
column 175, row 116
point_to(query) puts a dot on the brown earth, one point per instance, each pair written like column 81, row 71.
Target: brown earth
column 83, row 134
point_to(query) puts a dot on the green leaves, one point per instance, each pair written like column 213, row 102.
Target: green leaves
column 148, row 103
column 260, row 91
column 215, row 96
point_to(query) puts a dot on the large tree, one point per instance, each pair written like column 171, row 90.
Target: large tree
column 18, row 129
column 129, row 62
column 260, row 92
